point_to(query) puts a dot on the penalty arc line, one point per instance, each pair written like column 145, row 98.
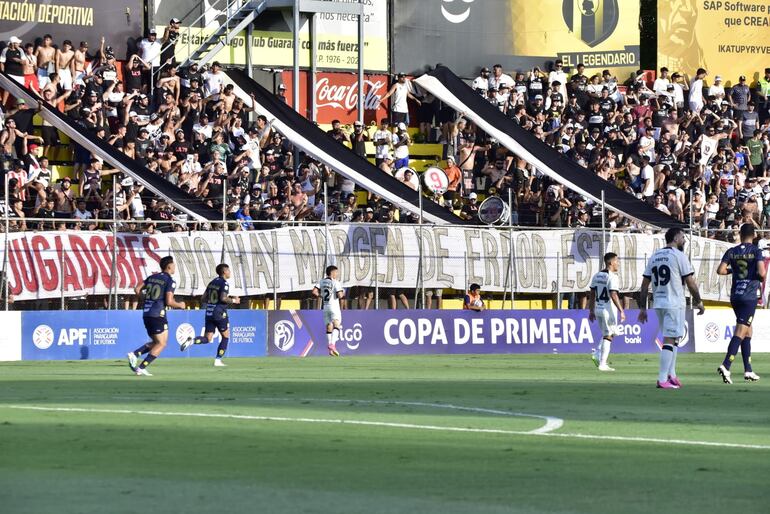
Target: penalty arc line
column 681, row 442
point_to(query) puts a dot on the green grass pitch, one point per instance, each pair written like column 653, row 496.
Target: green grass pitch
column 428, row 434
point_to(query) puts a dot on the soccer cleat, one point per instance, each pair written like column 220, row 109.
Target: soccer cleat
column 750, row 376
column 675, row 381
column 333, row 350
column 725, row 374
column 186, row 344
column 666, row 385
column 219, row 364
column 595, row 358
column 604, row 367
column 141, row 372
column 131, row 361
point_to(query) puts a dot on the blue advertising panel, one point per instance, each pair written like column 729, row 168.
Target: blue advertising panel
column 302, row 333
column 85, row 335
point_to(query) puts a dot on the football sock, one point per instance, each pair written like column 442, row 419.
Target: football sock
column 672, row 367
column 222, row 347
column 666, row 356
column 605, row 348
column 732, row 351
column 329, row 338
column 201, row 340
column 746, row 354
column 598, row 349
column 145, row 348
column 147, row 361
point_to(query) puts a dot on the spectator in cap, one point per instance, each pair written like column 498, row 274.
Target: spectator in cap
column 383, row 139
column 282, row 93
column 358, row 139
column 763, row 96
column 168, row 41
column 150, row 49
column 401, row 91
column 481, row 83
column 717, row 90
column 401, row 144
column 740, row 95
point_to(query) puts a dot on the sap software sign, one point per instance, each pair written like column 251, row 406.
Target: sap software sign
column 302, row 333
column 85, row 335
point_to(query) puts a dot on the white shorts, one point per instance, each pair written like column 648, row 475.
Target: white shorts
column 42, row 77
column 608, row 322
column 671, row 322
column 332, row 316
column 65, row 78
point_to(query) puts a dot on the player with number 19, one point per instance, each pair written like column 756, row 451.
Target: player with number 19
column 744, row 262
column 331, row 292
column 604, row 305
column 668, row 270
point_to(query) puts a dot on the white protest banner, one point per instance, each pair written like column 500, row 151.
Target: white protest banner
column 293, row 259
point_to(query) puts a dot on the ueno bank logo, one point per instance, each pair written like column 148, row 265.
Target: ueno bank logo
column 43, row 337
column 283, row 335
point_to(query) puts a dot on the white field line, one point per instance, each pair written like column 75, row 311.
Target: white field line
column 675, row 442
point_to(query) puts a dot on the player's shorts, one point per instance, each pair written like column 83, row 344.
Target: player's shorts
column 671, row 322
column 221, row 323
column 155, row 326
column 608, row 322
column 331, row 316
column 744, row 311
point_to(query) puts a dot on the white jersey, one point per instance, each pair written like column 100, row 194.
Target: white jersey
column 604, row 283
column 329, row 289
column 667, row 270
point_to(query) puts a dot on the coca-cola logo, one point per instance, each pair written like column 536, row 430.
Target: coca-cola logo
column 345, row 97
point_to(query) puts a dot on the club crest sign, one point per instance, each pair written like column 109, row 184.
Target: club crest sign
column 593, row 21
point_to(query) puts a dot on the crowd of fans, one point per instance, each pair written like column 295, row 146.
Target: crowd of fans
column 695, row 152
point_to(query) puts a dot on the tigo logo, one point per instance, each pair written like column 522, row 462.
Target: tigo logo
column 283, row 335
column 42, row 337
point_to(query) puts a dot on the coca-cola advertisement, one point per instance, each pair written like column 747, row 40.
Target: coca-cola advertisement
column 336, row 96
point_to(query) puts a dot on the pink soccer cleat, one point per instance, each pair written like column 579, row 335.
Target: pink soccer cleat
column 675, row 381
column 666, row 385
column 333, row 350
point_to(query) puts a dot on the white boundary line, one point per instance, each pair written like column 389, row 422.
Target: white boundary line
column 677, row 442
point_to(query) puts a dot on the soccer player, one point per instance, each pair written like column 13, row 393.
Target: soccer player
column 668, row 270
column 745, row 264
column 216, row 298
column 331, row 292
column 157, row 294
column 604, row 305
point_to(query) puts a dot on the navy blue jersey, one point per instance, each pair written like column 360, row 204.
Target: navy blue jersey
column 214, row 297
column 155, row 288
column 743, row 259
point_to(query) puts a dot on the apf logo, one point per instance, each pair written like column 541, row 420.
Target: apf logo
column 711, row 331
column 283, row 335
column 184, row 332
column 593, row 21
column 455, row 18
column 42, row 337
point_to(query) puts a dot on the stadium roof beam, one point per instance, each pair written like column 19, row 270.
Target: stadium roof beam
column 194, row 207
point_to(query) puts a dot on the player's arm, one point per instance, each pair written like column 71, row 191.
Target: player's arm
column 316, row 292
column 230, row 300
column 724, row 268
column 171, row 302
column 341, row 294
column 616, row 300
column 592, row 305
column 761, row 269
column 139, row 291
column 643, row 293
column 696, row 299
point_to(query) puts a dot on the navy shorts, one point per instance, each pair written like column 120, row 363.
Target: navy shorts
column 744, row 311
column 220, row 323
column 155, row 326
